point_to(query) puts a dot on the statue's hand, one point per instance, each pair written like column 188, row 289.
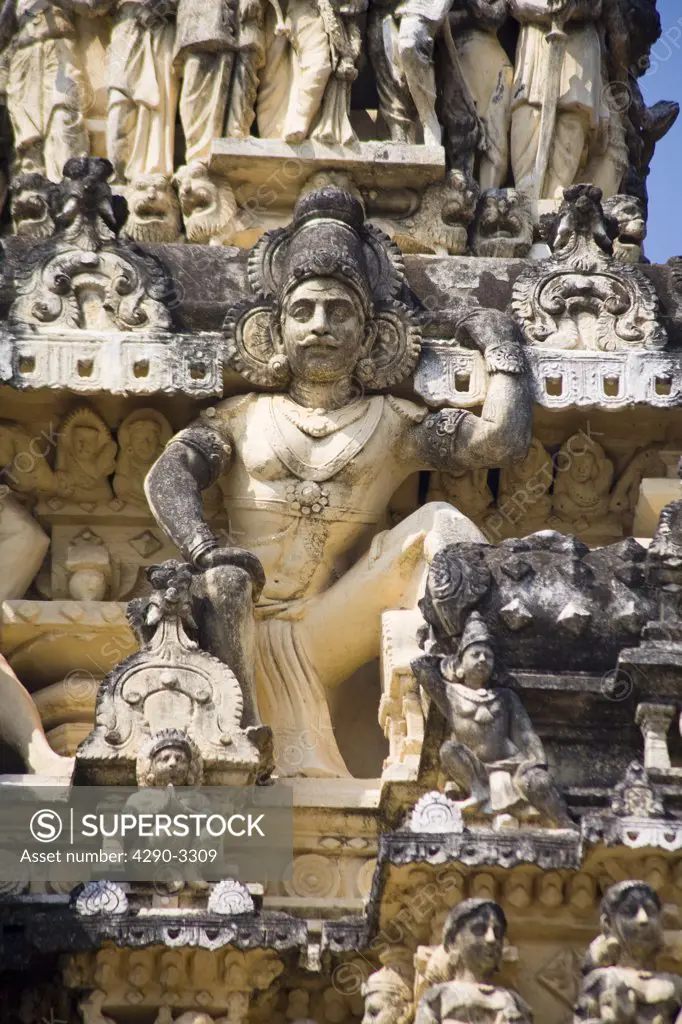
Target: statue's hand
column 236, row 556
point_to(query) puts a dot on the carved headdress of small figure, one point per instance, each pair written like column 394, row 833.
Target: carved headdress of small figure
column 328, row 238
column 170, row 756
column 388, row 996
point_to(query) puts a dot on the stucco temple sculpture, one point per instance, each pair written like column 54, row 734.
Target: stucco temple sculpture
column 307, row 471
column 340, row 475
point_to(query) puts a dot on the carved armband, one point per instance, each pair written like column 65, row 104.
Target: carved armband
column 505, row 358
column 443, row 427
column 208, row 443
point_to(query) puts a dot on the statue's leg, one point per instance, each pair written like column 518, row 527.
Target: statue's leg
column 121, row 123
column 341, row 629
column 535, row 785
column 525, row 139
column 203, row 101
column 23, row 546
column 65, row 94
column 223, row 602
column 464, row 768
column 416, row 43
column 395, row 102
column 488, row 75
column 242, row 107
column 567, row 153
column 313, row 68
column 276, row 82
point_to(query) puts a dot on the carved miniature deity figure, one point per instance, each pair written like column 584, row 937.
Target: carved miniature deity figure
column 388, row 998
column 86, row 457
column 141, row 438
column 468, row 491
column 153, row 210
column 205, row 43
column 558, row 109
column 308, row 472
column 208, row 204
column 582, row 489
column 620, row 983
column 45, row 83
column 488, row 74
column 523, row 500
column 143, row 89
column 473, row 940
column 493, row 754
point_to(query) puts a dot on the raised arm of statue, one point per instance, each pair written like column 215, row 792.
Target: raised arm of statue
column 453, row 439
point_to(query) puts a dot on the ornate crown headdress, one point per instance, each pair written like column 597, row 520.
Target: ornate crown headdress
column 328, row 237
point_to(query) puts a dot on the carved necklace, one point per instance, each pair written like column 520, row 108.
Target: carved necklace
column 476, row 696
column 321, row 422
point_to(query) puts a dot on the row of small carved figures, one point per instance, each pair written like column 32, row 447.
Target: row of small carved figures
column 574, row 489
column 225, row 68
column 620, row 982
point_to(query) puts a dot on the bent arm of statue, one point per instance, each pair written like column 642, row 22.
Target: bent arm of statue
column 452, row 439
column 191, row 463
column 522, row 733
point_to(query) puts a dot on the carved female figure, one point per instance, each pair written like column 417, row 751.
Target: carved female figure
column 582, row 489
column 621, row 984
column 307, row 472
column 473, row 940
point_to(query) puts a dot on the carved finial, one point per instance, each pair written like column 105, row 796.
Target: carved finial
column 84, row 210
column 170, row 602
column 634, row 796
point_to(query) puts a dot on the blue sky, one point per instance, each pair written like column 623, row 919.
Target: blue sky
column 664, row 82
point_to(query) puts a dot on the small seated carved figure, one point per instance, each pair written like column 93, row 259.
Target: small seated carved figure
column 473, row 940
column 493, row 753
column 582, row 491
column 621, row 984
column 142, row 437
column 86, row 457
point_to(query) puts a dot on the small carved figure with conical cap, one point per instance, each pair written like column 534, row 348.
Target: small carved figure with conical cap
column 493, row 753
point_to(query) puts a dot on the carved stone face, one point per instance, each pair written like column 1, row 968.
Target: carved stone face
column 637, row 925
column 145, row 440
column 583, row 467
column 170, row 766
column 208, row 204
column 476, row 665
column 477, row 947
column 154, row 211
column 379, row 1009
column 85, row 441
column 323, row 329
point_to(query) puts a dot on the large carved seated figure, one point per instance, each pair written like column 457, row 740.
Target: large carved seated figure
column 473, row 940
column 620, row 982
column 307, row 470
